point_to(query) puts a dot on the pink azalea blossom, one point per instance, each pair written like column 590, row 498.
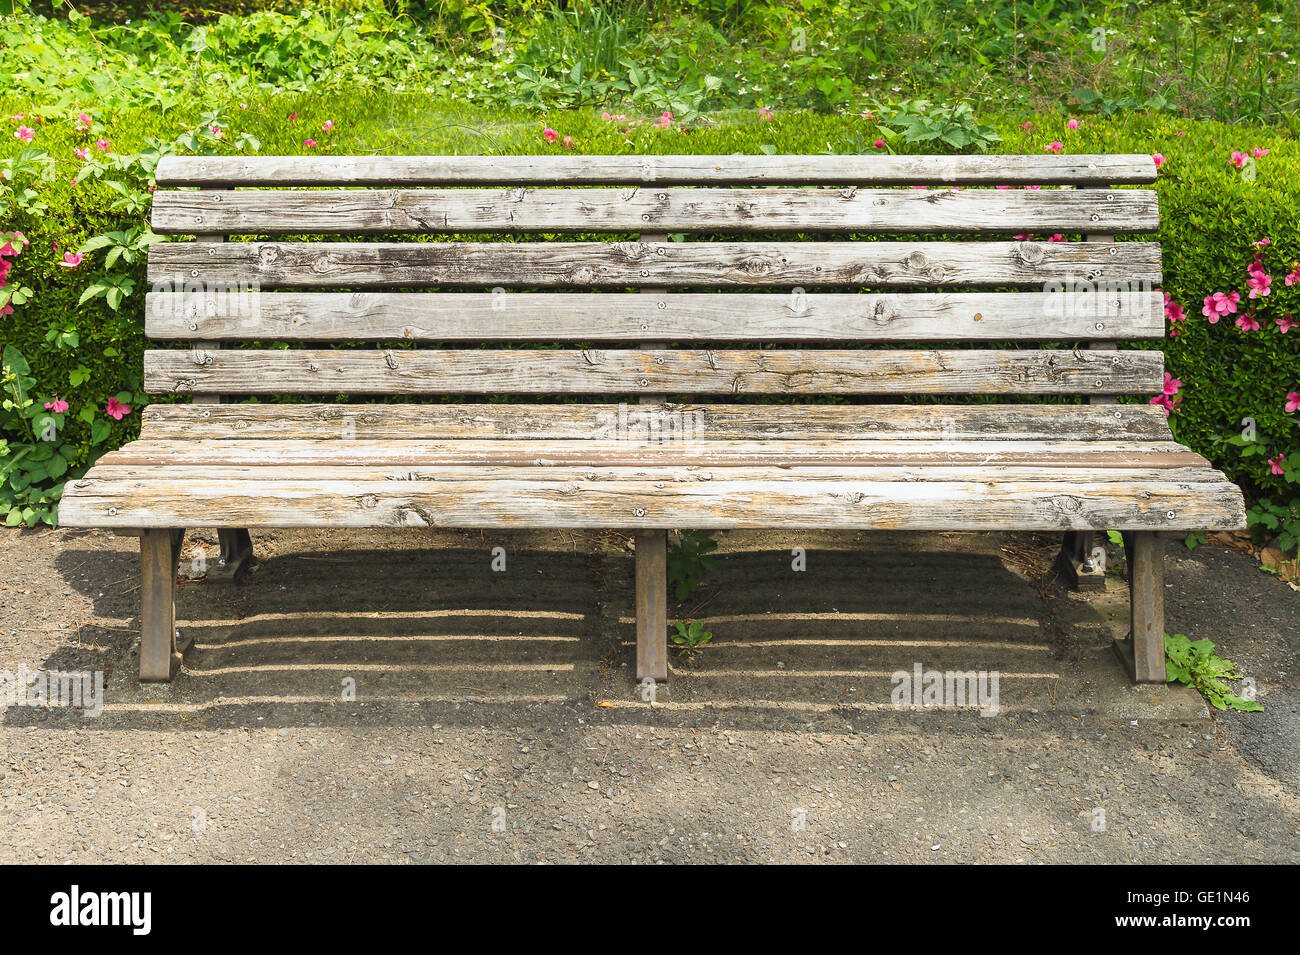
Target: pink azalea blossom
column 71, row 260
column 309, row 144
column 765, row 114
column 102, row 145
column 1276, row 465
column 1238, row 159
column 1293, row 276
column 82, row 122
column 568, row 142
column 82, row 154
column 1259, row 280
column 293, row 117
column 1056, row 238
column 217, row 131
column 550, row 134
column 665, row 119
column 1219, row 304
column 879, row 144
column 1285, row 323
column 1054, row 147
column 1033, row 187
column 1173, row 311
column 1158, row 159
column 1247, row 322
column 116, row 409
column 58, row 406
column 328, row 126
column 25, row 133
column 1026, row 125
column 1259, row 153
column 1292, row 401
column 1072, row 124
column 1260, row 243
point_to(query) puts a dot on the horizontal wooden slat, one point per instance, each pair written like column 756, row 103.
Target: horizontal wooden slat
column 566, row 316
column 214, row 171
column 616, row 453
column 858, row 505
column 178, row 265
column 1018, row 422
column 657, row 371
column 295, row 212
column 672, row 474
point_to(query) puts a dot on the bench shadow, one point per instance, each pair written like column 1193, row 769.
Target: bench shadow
column 433, row 634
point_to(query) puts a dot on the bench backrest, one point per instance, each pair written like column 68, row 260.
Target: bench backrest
column 780, row 286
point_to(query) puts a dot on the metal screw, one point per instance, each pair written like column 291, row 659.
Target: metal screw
column 1169, row 514
column 112, row 511
column 1100, row 326
column 638, row 512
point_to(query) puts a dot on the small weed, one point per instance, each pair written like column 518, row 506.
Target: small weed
column 1193, row 663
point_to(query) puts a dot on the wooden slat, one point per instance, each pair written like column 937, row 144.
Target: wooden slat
column 352, row 211
column 678, row 371
column 601, row 452
column 788, row 170
column 585, row 316
column 1018, row 422
column 665, row 473
column 842, row 504
column 810, row 265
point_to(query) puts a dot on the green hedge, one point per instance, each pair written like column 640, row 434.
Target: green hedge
column 1211, row 215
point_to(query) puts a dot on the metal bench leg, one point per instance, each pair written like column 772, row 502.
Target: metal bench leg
column 1144, row 651
column 652, row 605
column 159, row 549
column 236, row 553
column 1072, row 563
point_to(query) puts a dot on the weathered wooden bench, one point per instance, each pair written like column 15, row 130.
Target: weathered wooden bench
column 713, row 321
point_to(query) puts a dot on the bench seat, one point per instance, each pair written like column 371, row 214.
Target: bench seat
column 1032, row 482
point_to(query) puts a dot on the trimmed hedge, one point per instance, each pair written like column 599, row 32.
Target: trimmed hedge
column 1212, row 212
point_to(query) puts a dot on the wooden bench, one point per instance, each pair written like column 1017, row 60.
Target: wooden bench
column 737, row 310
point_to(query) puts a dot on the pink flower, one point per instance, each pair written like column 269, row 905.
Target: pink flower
column 117, row 410
column 550, row 134
column 1173, row 311
column 82, row 154
column 1259, row 153
column 25, row 133
column 1259, row 280
column 1276, row 465
column 1293, row 276
column 879, row 144
column 1166, row 402
column 1033, row 187
column 665, row 119
column 1238, row 159
column 1218, row 305
column 765, row 114
column 58, row 406
column 1072, row 124
column 1158, row 159
column 1054, row 147
column 1026, row 125
column 82, row 122
column 1056, row 238
column 71, row 260
column 1172, row 384
column 293, row 117
column 1292, row 401
column 1023, row 236
column 1261, row 243
column 328, row 126
column 102, row 145
column 217, row 131
column 1285, row 323
column 1248, row 322
column 309, row 144
column 1181, row 132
